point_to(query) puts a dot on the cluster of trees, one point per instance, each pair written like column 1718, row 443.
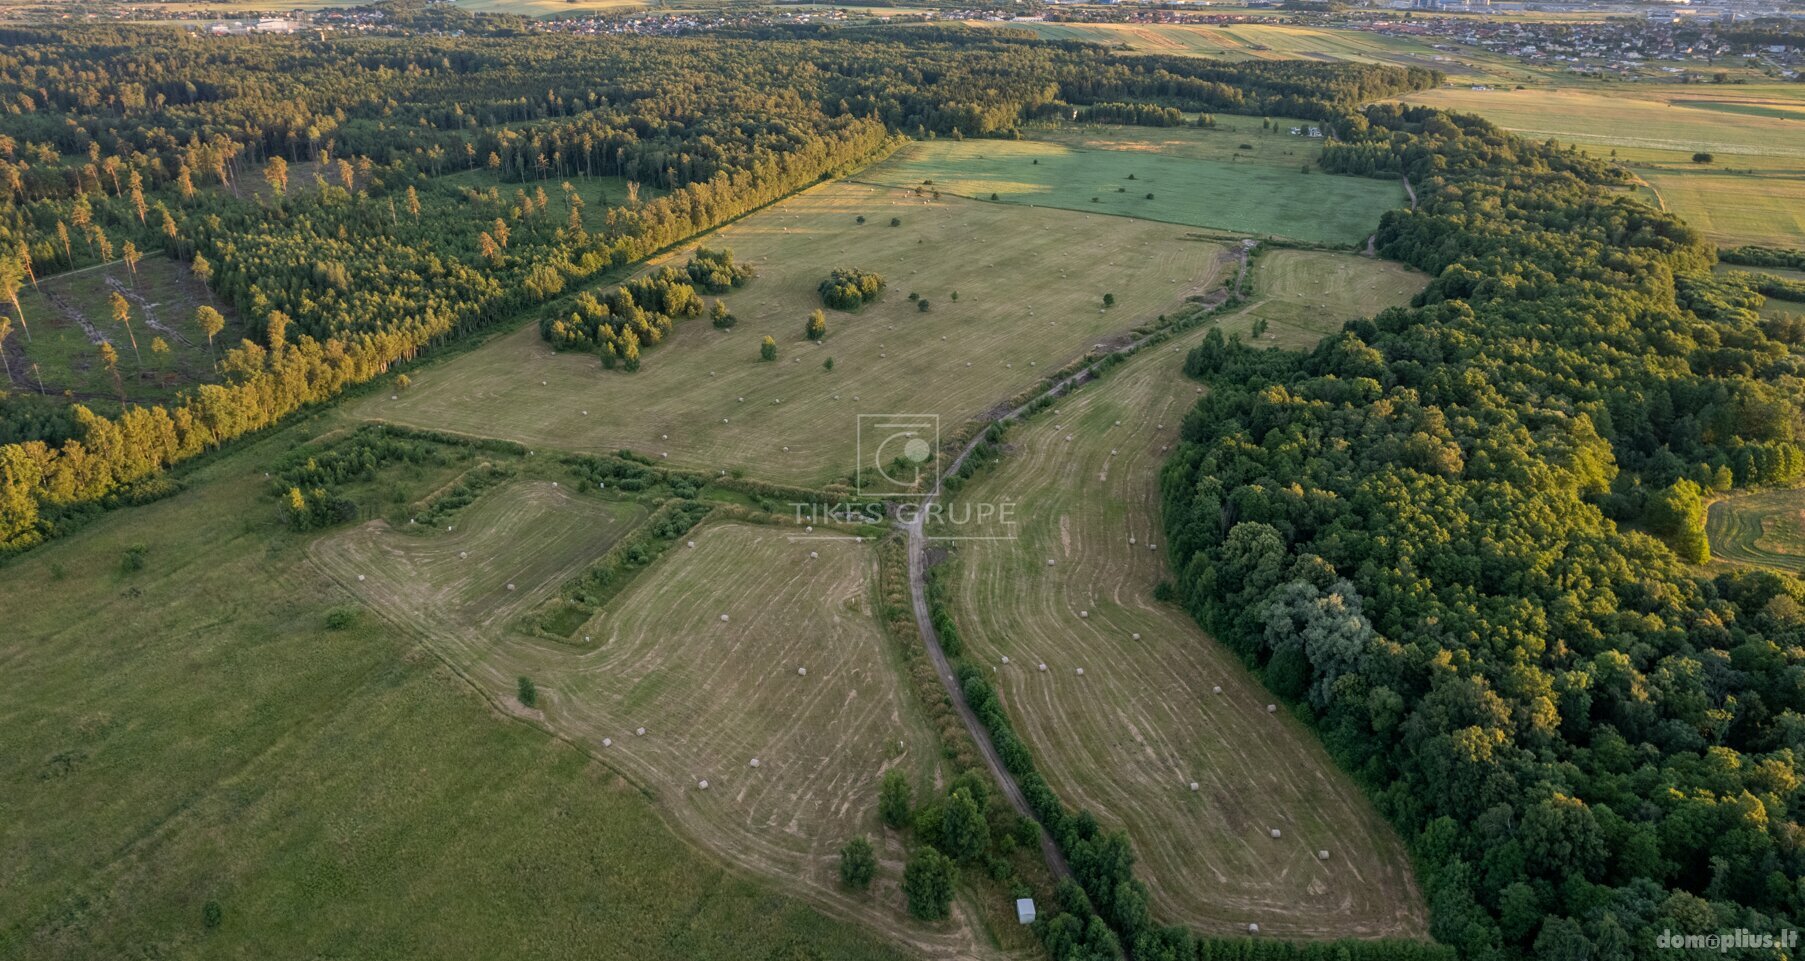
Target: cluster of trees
column 849, row 288
column 1755, row 255
column 308, row 480
column 969, row 825
column 715, row 271
column 1428, row 535
column 616, row 324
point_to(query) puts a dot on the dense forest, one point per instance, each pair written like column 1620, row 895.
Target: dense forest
column 361, row 200
column 1455, row 537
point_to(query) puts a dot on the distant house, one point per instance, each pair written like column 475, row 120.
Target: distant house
column 1024, row 910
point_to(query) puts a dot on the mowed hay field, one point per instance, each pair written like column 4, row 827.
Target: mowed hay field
column 1270, row 195
column 71, row 314
column 1030, row 284
column 1752, row 192
column 711, row 695
column 193, row 732
column 1305, row 295
column 1766, row 528
column 1261, row 41
column 1128, row 737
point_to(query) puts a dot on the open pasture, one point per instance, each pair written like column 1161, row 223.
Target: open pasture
column 1766, row 528
column 1029, row 285
column 1159, row 705
column 194, row 732
column 71, row 314
column 1272, row 195
column 1270, row 41
column 765, row 733
column 1305, row 295
column 1752, row 192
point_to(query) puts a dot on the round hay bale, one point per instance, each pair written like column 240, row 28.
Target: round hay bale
column 664, row 437
column 1005, row 658
column 702, row 784
column 1253, row 929
column 1275, row 832
column 1193, row 785
column 755, row 762
column 692, row 543
column 510, row 587
column 813, row 555
column 463, row 554
column 1216, row 690
column 607, row 742
column 1084, row 613
column 585, row 413
column 1050, row 562
column 1136, row 636
column 1322, row 855
column 1081, row 672
column 663, row 455
column 640, row 731
column 1043, row 665
column 723, row 618
column 802, row 672
column 360, row 577
column 1272, row 708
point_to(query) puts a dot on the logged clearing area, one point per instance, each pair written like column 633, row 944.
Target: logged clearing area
column 1752, row 190
column 70, row 315
column 1264, row 190
column 1014, row 291
column 790, row 710
column 1128, row 737
column 1766, row 528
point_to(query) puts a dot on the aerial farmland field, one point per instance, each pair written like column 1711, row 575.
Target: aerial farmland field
column 1244, row 181
column 1014, row 292
column 1135, row 713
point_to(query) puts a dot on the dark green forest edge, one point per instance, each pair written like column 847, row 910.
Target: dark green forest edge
column 1428, row 534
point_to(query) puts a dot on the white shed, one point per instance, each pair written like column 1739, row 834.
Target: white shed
column 1024, row 910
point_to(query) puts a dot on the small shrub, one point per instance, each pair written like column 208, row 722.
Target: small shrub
column 528, row 693
column 858, row 864
column 133, row 559
column 212, row 914
column 896, row 221
column 340, row 618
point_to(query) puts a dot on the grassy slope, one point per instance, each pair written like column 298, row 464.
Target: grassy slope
column 1260, row 191
column 192, row 732
column 1766, row 528
column 1128, row 737
column 1030, row 283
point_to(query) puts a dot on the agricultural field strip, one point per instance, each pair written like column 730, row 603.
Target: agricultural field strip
column 711, row 695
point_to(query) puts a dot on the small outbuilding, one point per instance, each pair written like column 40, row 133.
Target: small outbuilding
column 1024, row 910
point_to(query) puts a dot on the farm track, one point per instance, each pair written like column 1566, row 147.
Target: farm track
column 930, row 637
